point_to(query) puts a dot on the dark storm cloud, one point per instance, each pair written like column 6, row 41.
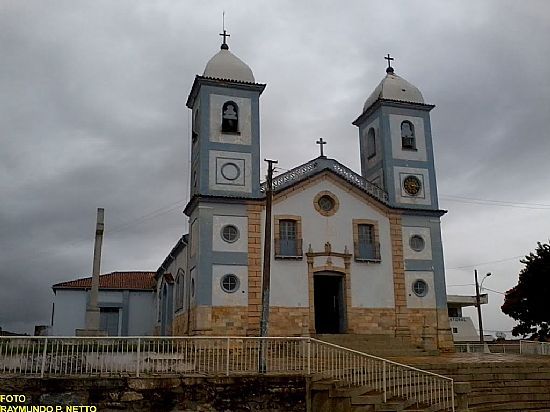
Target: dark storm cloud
column 93, row 115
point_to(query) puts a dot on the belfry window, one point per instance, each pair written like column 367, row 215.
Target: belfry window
column 230, row 117
column 408, row 139
column 371, row 143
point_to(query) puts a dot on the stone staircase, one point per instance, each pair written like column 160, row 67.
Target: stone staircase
column 384, row 346
column 500, row 383
column 330, row 396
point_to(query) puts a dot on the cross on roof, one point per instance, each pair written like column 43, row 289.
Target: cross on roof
column 389, row 59
column 225, row 35
column 321, row 143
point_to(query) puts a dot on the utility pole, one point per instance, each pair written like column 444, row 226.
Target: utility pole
column 266, row 275
column 478, row 305
column 92, row 310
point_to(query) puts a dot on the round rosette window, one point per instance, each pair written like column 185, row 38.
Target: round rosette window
column 417, row 243
column 230, row 233
column 230, row 283
column 230, row 171
column 420, row 288
column 326, row 203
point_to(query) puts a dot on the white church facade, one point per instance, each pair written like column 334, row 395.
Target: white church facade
column 351, row 253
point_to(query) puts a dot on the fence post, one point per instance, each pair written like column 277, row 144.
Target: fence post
column 384, row 381
column 44, row 358
column 227, row 358
column 309, row 356
column 138, row 357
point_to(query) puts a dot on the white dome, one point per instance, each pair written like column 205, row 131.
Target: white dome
column 393, row 87
column 225, row 65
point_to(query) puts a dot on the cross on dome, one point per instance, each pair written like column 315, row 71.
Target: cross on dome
column 389, row 59
column 225, row 35
column 321, row 143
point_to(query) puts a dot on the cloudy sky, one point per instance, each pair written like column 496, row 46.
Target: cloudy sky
column 92, row 114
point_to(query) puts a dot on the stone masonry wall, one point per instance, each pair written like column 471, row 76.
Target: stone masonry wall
column 236, row 394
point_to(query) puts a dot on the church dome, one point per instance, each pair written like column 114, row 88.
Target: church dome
column 393, row 87
column 225, row 65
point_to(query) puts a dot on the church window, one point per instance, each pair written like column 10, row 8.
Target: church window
column 230, row 117
column 288, row 237
column 420, row 288
column 371, row 143
column 196, row 127
column 180, row 287
column 408, row 139
column 366, row 245
column 417, row 243
column 326, row 203
column 230, row 233
column 230, row 283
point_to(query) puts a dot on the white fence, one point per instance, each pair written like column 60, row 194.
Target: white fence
column 529, row 347
column 487, row 348
column 214, row 356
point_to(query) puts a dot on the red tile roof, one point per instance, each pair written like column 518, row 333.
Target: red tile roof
column 114, row 280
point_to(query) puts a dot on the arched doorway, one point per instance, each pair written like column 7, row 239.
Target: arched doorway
column 329, row 302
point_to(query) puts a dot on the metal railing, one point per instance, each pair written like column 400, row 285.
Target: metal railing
column 487, row 348
column 529, row 347
column 215, row 356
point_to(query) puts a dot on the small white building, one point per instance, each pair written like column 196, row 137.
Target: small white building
column 462, row 327
column 126, row 302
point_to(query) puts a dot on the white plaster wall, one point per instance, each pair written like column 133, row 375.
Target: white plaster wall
column 465, row 329
column 245, row 116
column 409, row 253
column 423, row 196
column 218, row 159
column 222, row 298
column 371, row 283
column 395, row 132
column 69, row 312
column 240, row 222
column 109, row 296
column 140, row 317
column 414, row 301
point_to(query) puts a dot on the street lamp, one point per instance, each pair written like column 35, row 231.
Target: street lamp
column 478, row 304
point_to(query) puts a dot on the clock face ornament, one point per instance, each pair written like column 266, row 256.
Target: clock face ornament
column 412, row 185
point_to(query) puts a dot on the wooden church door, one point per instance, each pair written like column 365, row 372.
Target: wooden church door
column 329, row 303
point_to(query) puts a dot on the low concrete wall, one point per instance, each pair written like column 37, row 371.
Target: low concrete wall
column 263, row 393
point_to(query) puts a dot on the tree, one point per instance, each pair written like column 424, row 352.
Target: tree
column 528, row 301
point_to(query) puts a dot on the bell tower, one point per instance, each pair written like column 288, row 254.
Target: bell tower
column 396, row 143
column 225, row 153
column 225, row 180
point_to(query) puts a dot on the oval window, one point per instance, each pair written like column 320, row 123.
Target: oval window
column 420, row 288
column 417, row 243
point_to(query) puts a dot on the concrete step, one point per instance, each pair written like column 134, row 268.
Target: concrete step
column 519, row 406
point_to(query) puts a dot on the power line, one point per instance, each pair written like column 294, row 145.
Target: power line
column 486, row 263
column 490, row 202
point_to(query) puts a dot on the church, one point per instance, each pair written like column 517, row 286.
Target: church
column 350, row 253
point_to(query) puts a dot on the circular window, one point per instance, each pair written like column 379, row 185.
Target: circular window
column 420, row 288
column 230, row 283
column 326, row 203
column 417, row 243
column 230, row 171
column 412, row 185
column 230, row 233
